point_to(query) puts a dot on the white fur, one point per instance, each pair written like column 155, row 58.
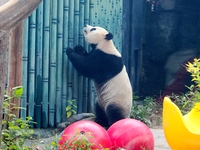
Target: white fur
column 117, row 91
column 98, row 37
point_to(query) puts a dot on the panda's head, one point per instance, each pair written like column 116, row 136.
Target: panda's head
column 95, row 35
column 101, row 38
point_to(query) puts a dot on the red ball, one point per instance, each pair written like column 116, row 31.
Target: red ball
column 79, row 134
column 131, row 134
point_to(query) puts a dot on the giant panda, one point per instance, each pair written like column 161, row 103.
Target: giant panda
column 104, row 65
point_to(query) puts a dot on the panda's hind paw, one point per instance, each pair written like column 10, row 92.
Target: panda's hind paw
column 69, row 50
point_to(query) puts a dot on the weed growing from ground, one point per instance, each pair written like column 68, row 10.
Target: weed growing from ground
column 14, row 130
column 147, row 110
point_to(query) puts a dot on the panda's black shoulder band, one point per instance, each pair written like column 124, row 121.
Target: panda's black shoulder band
column 109, row 36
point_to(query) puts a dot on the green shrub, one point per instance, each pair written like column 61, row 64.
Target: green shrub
column 14, row 130
column 187, row 100
column 146, row 110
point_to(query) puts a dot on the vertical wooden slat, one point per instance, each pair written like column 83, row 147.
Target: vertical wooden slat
column 39, row 48
column 23, row 112
column 53, row 65
column 65, row 60
column 31, row 83
column 136, row 28
column 15, row 63
column 45, row 64
column 59, row 62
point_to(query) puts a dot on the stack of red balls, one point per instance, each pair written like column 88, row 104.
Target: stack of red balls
column 128, row 134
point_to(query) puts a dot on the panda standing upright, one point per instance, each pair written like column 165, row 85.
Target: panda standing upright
column 105, row 66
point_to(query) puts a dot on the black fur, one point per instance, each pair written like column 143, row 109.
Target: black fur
column 97, row 64
column 101, row 117
column 80, row 50
column 113, row 115
column 109, row 36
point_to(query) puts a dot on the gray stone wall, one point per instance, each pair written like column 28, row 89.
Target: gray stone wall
column 171, row 36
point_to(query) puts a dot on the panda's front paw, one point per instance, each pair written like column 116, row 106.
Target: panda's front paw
column 80, row 50
column 69, row 50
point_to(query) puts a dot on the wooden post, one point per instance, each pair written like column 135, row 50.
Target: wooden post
column 3, row 65
column 15, row 63
column 11, row 14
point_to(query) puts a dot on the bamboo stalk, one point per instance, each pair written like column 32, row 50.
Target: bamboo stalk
column 31, row 67
column 76, row 42
column 91, row 94
column 53, row 65
column 39, row 51
column 70, row 44
column 45, row 64
column 59, row 62
column 25, row 69
column 85, row 80
column 65, row 60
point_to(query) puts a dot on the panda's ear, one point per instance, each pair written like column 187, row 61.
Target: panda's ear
column 109, row 36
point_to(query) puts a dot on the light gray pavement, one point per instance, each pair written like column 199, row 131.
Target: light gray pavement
column 160, row 141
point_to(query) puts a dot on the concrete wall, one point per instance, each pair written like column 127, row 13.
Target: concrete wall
column 171, row 37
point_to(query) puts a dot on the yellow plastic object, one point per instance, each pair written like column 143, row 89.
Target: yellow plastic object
column 181, row 132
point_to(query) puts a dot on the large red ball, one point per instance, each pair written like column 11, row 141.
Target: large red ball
column 83, row 131
column 131, row 134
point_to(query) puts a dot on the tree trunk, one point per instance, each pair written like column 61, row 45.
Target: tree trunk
column 13, row 12
column 3, row 65
column 15, row 64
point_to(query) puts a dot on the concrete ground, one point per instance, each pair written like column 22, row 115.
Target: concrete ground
column 160, row 141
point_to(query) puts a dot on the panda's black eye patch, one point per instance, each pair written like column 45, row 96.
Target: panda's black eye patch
column 92, row 29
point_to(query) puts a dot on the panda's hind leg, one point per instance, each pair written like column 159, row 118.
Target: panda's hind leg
column 101, row 117
column 114, row 114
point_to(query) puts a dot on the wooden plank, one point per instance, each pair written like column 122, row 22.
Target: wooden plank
column 13, row 12
column 15, row 64
column 126, row 28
